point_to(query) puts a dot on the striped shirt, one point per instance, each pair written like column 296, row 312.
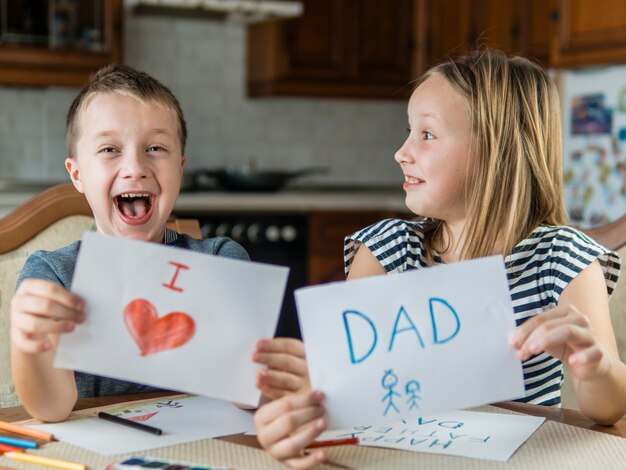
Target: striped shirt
column 538, row 269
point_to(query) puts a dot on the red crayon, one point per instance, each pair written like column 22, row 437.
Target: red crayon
column 334, row 442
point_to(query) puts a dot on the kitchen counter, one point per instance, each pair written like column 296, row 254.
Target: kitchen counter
column 295, row 200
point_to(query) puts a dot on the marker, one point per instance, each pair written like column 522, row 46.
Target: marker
column 47, row 461
column 8, row 448
column 16, row 428
column 16, row 441
column 333, row 442
column 129, row 423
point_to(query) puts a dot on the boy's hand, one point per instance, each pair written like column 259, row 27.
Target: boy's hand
column 286, row 372
column 565, row 333
column 40, row 308
column 285, row 427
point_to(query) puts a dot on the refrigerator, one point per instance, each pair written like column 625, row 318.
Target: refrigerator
column 594, row 144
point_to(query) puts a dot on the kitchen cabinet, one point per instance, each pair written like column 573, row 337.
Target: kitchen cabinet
column 58, row 42
column 349, row 48
column 454, row 27
column 588, row 32
column 327, row 231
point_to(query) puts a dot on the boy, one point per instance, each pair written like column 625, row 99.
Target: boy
column 126, row 138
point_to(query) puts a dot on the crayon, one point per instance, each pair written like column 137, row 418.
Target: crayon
column 333, row 442
column 16, row 428
column 129, row 423
column 16, row 441
column 47, row 461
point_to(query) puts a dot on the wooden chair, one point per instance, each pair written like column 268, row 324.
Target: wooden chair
column 612, row 236
column 51, row 219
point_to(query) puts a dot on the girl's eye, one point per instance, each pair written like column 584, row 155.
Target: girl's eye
column 108, row 150
column 427, row 135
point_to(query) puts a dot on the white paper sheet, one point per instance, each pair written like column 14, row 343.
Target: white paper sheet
column 428, row 340
column 219, row 308
column 488, row 436
column 182, row 420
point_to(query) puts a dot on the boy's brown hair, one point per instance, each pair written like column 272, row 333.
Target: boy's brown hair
column 126, row 81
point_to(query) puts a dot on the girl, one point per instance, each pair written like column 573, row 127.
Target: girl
column 482, row 169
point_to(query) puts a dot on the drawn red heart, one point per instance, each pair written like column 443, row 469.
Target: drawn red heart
column 153, row 334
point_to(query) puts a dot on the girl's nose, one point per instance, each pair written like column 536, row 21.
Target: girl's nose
column 403, row 155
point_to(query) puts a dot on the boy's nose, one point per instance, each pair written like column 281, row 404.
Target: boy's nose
column 135, row 165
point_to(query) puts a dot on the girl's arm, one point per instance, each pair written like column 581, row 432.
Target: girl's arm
column 40, row 311
column 579, row 332
column 365, row 264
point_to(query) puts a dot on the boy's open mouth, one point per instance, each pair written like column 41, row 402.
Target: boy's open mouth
column 134, row 208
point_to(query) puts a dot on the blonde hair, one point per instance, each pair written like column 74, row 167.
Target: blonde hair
column 125, row 81
column 515, row 129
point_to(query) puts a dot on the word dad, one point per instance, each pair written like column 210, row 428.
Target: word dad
column 439, row 311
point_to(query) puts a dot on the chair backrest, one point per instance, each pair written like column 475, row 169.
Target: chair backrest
column 51, row 219
column 612, row 236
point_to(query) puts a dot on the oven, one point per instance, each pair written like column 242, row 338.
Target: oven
column 273, row 239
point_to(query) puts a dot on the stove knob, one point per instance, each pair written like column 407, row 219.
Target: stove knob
column 207, row 230
column 254, row 233
column 238, row 232
column 289, row 233
column 272, row 233
column 222, row 230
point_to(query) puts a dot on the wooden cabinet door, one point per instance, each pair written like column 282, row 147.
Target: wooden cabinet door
column 382, row 41
column 589, row 32
column 347, row 48
column 517, row 27
column 41, row 65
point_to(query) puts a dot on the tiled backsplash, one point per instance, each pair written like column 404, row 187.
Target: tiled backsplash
column 203, row 62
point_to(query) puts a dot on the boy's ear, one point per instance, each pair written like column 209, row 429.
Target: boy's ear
column 72, row 168
column 182, row 164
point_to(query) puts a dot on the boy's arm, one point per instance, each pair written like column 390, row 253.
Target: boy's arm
column 40, row 310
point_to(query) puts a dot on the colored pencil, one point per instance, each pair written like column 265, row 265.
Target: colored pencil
column 16, row 428
column 16, row 441
column 333, row 442
column 8, row 448
column 129, row 423
column 47, row 461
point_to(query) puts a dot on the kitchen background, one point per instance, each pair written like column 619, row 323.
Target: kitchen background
column 204, row 63
column 327, row 89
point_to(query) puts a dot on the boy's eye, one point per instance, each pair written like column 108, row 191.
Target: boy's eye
column 108, row 150
column 156, row 148
column 427, row 135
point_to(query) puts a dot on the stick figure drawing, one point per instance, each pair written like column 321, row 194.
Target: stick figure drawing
column 389, row 381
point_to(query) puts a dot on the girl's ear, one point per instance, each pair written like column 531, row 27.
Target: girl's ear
column 71, row 165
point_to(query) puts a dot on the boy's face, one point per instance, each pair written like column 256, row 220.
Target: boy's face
column 128, row 162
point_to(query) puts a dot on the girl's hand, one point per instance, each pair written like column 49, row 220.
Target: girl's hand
column 286, row 372
column 565, row 333
column 39, row 309
column 285, row 427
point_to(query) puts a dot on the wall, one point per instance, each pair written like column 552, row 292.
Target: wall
column 203, row 63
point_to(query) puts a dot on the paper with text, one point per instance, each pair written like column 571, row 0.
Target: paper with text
column 401, row 345
column 491, row 436
column 171, row 318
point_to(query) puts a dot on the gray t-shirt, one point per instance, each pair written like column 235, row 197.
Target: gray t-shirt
column 58, row 266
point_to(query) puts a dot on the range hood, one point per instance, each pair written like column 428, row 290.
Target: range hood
column 234, row 11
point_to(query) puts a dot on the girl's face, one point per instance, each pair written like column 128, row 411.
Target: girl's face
column 435, row 158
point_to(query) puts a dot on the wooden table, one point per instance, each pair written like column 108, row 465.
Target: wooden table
column 561, row 415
